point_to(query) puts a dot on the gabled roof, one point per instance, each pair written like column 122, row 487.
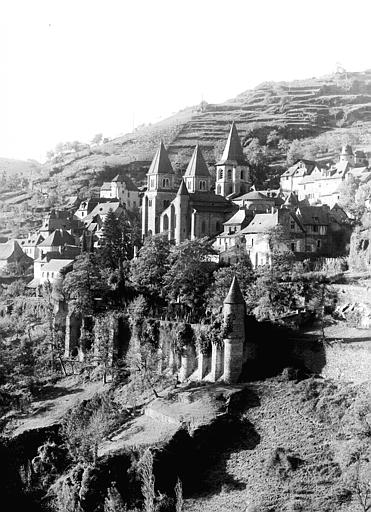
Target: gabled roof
column 56, row 265
column 129, row 184
column 306, row 165
column 197, row 165
column 261, row 223
column 58, row 238
column 313, row 215
column 234, row 295
column 30, row 241
column 106, row 186
column 161, row 163
column 254, row 196
column 238, row 218
column 182, row 191
column 233, row 149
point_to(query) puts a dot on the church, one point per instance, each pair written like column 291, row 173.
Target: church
column 192, row 208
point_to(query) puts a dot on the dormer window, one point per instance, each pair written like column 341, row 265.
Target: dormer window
column 202, row 185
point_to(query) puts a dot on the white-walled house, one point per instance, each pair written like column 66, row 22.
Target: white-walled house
column 123, row 189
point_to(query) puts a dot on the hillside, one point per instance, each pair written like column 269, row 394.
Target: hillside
column 297, row 110
column 322, row 112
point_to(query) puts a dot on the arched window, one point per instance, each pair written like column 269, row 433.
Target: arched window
column 242, row 175
column 218, row 189
column 203, row 227
column 221, row 174
column 152, row 185
column 202, row 185
column 229, row 174
column 165, row 183
column 189, row 185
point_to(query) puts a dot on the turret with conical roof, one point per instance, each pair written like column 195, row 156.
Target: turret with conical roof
column 346, row 154
column 197, row 176
column 234, row 322
column 232, row 173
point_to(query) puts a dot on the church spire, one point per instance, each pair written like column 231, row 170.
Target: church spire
column 161, row 163
column 182, row 191
column 197, row 165
column 233, row 149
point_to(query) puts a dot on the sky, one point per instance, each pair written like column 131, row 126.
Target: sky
column 70, row 69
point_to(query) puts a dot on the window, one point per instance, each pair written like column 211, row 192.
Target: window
column 293, row 246
column 166, row 203
column 152, row 185
column 165, row 183
column 134, row 203
column 150, row 202
column 221, row 174
column 242, row 175
column 202, row 185
column 189, row 184
column 315, row 229
column 217, row 226
column 229, row 174
column 318, row 244
column 128, row 194
column 292, row 225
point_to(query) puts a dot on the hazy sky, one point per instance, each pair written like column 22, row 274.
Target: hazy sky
column 72, row 68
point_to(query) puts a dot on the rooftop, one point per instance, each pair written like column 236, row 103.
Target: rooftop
column 197, row 165
column 161, row 163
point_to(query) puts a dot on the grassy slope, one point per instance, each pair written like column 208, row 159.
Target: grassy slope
column 316, row 429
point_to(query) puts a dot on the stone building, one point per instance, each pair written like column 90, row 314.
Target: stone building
column 123, row 189
column 320, row 183
column 185, row 212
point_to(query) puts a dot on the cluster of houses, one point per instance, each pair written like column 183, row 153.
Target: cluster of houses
column 224, row 207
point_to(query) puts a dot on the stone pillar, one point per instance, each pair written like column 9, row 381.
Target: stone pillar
column 203, row 365
column 234, row 321
column 73, row 327
column 216, row 362
column 187, row 363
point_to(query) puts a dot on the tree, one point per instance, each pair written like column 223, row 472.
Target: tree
column 116, row 243
column 295, row 152
column 256, row 156
column 190, row 273
column 97, row 139
column 83, row 285
column 347, row 200
column 148, row 270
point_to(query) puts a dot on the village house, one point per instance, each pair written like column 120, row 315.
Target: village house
column 55, row 242
column 321, row 184
column 123, row 189
column 30, row 244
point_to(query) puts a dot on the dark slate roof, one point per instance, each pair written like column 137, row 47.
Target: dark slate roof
column 291, row 200
column 313, row 215
column 161, row 163
column 59, row 237
column 9, row 249
column 197, row 165
column 130, row 185
column 233, row 149
column 183, row 191
column 234, row 295
column 347, row 150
